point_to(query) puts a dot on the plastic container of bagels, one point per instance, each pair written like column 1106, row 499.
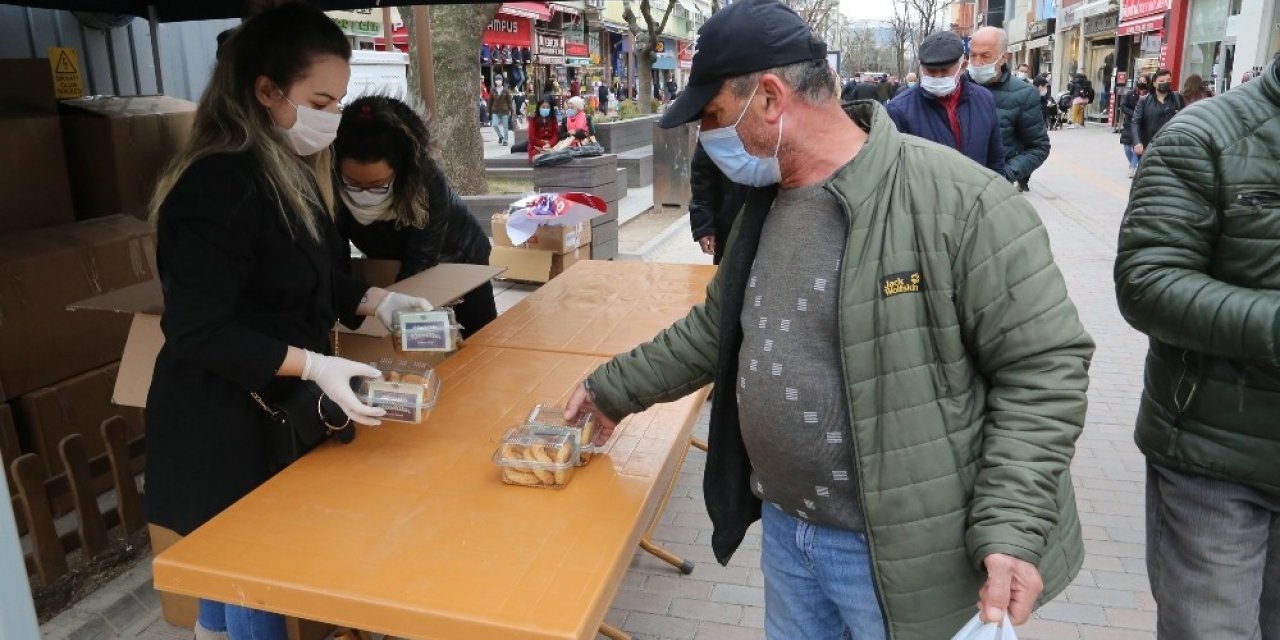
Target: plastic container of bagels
column 407, row 390
column 536, row 457
column 550, row 416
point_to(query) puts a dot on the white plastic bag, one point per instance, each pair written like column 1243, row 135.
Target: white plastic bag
column 976, row 630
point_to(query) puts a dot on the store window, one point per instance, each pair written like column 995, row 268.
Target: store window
column 1206, row 55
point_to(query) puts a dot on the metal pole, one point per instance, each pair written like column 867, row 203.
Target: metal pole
column 388, row 34
column 426, row 68
column 17, row 613
column 154, row 19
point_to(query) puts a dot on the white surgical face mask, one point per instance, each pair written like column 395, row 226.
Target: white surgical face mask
column 726, row 149
column 368, row 208
column 940, row 87
column 313, row 131
column 982, row 73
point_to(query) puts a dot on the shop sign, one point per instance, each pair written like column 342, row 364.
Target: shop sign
column 509, row 31
column 359, row 27
column 550, row 45
column 551, row 60
column 1141, row 8
column 1040, row 28
column 1105, row 23
column 1155, row 23
column 577, row 49
column 1070, row 17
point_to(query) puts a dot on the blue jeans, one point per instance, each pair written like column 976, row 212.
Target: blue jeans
column 1133, row 157
column 817, row 582
column 242, row 623
column 502, row 125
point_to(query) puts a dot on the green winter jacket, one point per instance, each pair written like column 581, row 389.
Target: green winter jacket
column 1026, row 142
column 1198, row 270
column 965, row 364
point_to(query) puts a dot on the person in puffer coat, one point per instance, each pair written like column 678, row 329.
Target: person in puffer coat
column 1022, row 129
column 900, row 376
column 1198, row 271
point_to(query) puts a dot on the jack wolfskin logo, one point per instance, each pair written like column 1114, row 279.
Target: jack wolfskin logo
column 905, row 282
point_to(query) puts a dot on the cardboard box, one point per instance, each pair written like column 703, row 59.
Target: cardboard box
column 535, row 265
column 555, row 238
column 441, row 284
column 78, row 405
column 33, row 173
column 9, row 447
column 118, row 147
column 41, row 273
column 28, row 87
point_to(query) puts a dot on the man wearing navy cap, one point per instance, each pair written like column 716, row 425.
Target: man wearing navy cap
column 948, row 109
column 899, row 374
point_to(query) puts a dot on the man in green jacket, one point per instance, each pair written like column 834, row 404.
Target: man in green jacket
column 1026, row 142
column 899, row 373
column 1198, row 271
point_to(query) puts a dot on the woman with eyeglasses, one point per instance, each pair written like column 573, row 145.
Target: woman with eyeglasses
column 395, row 204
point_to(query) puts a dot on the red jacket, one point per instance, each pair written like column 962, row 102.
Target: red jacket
column 542, row 131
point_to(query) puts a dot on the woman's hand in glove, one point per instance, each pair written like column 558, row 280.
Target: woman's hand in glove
column 393, row 302
column 333, row 375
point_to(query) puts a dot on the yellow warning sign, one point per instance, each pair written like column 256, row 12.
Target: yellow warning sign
column 67, row 82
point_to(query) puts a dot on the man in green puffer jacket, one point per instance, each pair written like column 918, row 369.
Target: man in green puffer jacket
column 1022, row 130
column 899, row 374
column 1198, row 271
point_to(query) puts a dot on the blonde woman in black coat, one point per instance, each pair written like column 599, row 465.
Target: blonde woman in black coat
column 247, row 249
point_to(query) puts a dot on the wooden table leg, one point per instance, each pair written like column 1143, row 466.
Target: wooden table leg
column 646, row 542
column 612, row 633
column 699, row 444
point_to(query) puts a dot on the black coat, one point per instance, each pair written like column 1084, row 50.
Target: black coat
column 239, row 289
column 1127, row 106
column 1150, row 115
column 715, row 201
column 451, row 234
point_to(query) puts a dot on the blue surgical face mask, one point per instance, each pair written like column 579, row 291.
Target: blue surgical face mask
column 570, row 112
column 726, row 149
column 545, row 112
column 939, row 87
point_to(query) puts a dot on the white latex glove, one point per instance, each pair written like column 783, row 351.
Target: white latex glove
column 333, row 375
column 386, row 310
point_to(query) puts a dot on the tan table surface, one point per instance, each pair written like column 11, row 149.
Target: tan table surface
column 600, row 308
column 410, row 531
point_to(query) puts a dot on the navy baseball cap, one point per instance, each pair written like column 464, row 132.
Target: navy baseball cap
column 742, row 38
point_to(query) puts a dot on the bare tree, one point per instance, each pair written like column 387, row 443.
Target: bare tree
column 903, row 27
column 646, row 39
column 928, row 16
column 456, row 33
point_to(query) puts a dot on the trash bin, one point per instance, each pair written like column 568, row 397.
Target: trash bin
column 672, row 152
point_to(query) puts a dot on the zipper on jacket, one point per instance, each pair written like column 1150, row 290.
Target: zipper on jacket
column 1258, row 199
column 853, row 436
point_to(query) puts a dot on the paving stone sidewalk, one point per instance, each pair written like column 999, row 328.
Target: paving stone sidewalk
column 1080, row 193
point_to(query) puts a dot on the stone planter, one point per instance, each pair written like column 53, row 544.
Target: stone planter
column 625, row 135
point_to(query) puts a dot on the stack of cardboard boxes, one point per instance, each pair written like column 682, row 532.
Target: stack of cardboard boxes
column 599, row 177
column 67, row 171
column 546, row 255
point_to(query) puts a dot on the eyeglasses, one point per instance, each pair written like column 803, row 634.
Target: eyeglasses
column 377, row 191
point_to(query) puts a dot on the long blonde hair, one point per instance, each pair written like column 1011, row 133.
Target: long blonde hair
column 281, row 44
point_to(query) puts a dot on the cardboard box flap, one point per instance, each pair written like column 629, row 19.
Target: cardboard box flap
column 144, row 297
column 441, row 285
column 127, row 107
column 28, row 87
column 138, row 362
